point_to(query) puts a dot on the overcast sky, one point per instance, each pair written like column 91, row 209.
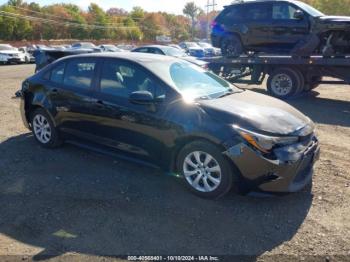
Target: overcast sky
column 171, row 6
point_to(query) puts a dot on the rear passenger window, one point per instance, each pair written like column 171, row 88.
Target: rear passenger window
column 79, row 73
column 57, row 73
column 231, row 14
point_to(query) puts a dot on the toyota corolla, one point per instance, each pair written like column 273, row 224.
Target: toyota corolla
column 163, row 111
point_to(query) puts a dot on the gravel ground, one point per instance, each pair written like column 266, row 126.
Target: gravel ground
column 71, row 202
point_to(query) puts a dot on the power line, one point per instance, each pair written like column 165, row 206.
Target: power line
column 51, row 15
column 45, row 20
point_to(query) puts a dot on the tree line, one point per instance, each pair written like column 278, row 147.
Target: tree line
column 20, row 20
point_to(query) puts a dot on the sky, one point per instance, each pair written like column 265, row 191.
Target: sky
column 170, row 6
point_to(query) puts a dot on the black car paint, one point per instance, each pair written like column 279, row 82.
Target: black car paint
column 155, row 133
column 280, row 35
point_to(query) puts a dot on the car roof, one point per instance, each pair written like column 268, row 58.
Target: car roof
column 154, row 46
column 258, row 1
column 140, row 58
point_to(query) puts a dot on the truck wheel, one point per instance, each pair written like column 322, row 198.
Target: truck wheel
column 283, row 83
column 301, row 84
column 231, row 46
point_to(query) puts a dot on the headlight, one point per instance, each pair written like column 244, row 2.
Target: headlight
column 265, row 143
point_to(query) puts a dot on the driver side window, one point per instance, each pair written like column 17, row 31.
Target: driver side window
column 119, row 78
column 283, row 11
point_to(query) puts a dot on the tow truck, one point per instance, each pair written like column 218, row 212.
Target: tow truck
column 287, row 75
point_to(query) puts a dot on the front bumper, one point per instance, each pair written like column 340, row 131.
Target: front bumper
column 279, row 176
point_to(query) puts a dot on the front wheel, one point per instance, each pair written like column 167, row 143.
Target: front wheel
column 43, row 129
column 206, row 172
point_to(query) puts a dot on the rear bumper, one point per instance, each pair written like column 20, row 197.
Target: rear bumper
column 14, row 60
column 215, row 40
column 279, row 176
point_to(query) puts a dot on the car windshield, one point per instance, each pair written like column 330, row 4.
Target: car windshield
column 309, row 9
column 111, row 48
column 84, row 45
column 206, row 45
column 7, row 47
column 193, row 82
column 172, row 51
column 192, row 44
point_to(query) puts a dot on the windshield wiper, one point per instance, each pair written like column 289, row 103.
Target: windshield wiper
column 227, row 93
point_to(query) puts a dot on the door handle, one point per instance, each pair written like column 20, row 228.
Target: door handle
column 99, row 103
column 54, row 91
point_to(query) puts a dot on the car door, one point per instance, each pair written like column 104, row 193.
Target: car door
column 286, row 30
column 70, row 93
column 256, row 24
column 137, row 130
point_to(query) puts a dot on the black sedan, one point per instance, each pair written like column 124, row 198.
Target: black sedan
column 160, row 110
column 169, row 51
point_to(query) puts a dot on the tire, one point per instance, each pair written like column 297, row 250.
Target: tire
column 301, row 80
column 283, row 83
column 221, row 172
column 231, row 46
column 26, row 60
column 41, row 122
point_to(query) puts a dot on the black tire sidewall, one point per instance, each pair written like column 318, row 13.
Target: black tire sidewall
column 227, row 177
column 55, row 139
column 292, row 74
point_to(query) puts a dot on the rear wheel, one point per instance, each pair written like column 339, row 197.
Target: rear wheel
column 43, row 129
column 206, row 171
column 283, row 83
column 231, row 47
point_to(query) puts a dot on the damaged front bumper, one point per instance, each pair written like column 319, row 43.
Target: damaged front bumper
column 291, row 171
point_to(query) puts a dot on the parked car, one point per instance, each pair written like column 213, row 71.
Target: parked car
column 170, row 51
column 284, row 26
column 160, row 110
column 209, row 50
column 175, row 46
column 28, row 56
column 10, row 54
column 110, row 48
column 86, row 46
column 193, row 49
column 126, row 47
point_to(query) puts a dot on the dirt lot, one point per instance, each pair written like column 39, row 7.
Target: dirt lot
column 71, row 201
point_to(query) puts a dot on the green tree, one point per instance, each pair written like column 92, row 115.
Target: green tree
column 192, row 11
column 137, row 14
column 100, row 19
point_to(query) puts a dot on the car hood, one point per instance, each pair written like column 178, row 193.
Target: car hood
column 256, row 112
column 194, row 60
column 335, row 19
column 9, row 52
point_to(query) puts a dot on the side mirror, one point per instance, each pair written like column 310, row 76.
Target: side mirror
column 298, row 14
column 141, row 97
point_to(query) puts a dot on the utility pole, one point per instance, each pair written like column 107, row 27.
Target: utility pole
column 213, row 4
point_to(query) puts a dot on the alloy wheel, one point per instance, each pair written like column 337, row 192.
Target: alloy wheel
column 42, row 129
column 202, row 171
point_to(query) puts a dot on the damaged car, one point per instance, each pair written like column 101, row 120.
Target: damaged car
column 279, row 26
column 166, row 112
